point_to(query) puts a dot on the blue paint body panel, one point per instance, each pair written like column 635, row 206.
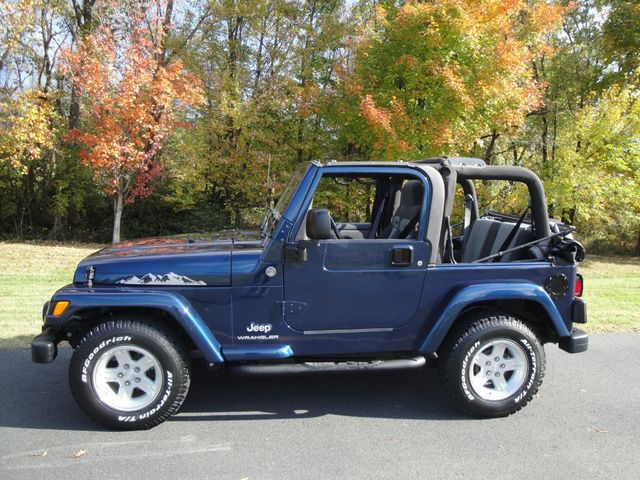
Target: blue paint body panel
column 237, row 298
column 352, row 285
column 173, row 303
column 485, row 292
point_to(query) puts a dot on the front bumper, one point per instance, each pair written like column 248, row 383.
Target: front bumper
column 576, row 342
column 44, row 347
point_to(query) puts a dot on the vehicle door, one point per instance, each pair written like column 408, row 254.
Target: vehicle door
column 346, row 285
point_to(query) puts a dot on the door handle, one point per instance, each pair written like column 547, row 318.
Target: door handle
column 402, row 256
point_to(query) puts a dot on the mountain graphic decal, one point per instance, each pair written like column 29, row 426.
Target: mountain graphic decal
column 164, row 279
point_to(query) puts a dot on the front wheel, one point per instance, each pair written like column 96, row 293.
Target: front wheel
column 494, row 368
column 129, row 375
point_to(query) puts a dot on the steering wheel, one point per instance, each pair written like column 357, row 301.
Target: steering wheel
column 334, row 227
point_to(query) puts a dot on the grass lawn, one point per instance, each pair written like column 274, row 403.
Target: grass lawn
column 29, row 274
column 612, row 293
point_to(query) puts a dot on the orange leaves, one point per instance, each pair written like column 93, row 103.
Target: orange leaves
column 544, row 17
column 385, row 122
column 130, row 96
column 454, row 69
column 378, row 117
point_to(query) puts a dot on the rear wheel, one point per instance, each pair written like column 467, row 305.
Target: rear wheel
column 494, row 368
column 129, row 375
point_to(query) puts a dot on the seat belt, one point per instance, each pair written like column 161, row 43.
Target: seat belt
column 449, row 245
column 512, row 233
column 376, row 221
column 410, row 226
column 468, row 205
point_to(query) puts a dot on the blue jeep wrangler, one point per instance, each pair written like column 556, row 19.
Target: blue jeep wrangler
column 393, row 282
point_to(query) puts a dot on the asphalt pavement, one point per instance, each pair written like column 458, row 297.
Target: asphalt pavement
column 584, row 424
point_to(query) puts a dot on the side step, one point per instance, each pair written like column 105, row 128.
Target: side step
column 311, row 367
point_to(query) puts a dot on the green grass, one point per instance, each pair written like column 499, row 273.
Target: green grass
column 29, row 274
column 612, row 293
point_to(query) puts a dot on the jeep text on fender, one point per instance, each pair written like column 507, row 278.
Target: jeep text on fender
column 360, row 266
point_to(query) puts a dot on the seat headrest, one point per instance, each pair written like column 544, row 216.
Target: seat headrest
column 411, row 193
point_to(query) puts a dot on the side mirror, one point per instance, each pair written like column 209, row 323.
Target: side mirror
column 318, row 224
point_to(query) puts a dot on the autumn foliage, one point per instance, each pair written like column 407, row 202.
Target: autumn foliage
column 433, row 77
column 32, row 129
column 98, row 105
column 131, row 90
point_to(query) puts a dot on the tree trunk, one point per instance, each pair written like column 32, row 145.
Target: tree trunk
column 544, row 136
column 74, row 108
column 304, row 76
column 118, row 205
column 83, row 15
column 488, row 154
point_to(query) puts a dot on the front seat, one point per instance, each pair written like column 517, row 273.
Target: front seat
column 407, row 215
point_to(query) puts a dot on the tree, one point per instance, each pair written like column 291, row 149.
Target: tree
column 621, row 35
column 598, row 172
column 17, row 21
column 32, row 130
column 131, row 89
column 434, row 77
column 267, row 67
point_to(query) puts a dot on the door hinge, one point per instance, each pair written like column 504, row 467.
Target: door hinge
column 295, row 254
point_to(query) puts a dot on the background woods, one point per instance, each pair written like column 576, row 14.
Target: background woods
column 184, row 115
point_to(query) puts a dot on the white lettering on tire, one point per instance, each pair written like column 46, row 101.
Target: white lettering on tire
column 150, row 412
column 94, row 352
column 532, row 376
column 517, row 398
column 463, row 373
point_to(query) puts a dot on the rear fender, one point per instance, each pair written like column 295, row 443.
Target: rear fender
column 174, row 304
column 490, row 292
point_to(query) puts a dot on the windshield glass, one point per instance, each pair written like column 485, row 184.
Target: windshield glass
column 275, row 213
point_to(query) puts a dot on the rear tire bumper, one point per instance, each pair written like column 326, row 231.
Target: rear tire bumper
column 576, row 342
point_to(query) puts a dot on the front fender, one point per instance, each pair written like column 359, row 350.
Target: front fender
column 174, row 304
column 490, row 292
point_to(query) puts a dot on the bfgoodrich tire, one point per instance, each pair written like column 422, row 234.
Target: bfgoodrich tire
column 494, row 368
column 129, row 375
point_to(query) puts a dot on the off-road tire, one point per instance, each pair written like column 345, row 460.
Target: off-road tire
column 460, row 355
column 163, row 347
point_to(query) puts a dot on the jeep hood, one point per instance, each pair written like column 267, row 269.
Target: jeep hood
column 180, row 260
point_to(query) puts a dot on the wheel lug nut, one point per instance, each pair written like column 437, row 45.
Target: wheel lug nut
column 502, row 365
column 137, row 380
column 497, row 359
column 126, row 366
column 488, row 372
column 497, row 374
column 120, row 375
column 137, row 369
column 488, row 364
column 127, row 383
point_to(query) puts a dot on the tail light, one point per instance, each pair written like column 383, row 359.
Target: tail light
column 579, row 285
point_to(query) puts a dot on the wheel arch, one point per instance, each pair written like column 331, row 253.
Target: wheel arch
column 85, row 319
column 87, row 309
column 529, row 302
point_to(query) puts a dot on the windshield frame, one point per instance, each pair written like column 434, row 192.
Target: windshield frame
column 274, row 214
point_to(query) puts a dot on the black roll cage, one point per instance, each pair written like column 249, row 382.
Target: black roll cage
column 461, row 170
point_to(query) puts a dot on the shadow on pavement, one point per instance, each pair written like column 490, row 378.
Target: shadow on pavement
column 411, row 394
column 38, row 396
